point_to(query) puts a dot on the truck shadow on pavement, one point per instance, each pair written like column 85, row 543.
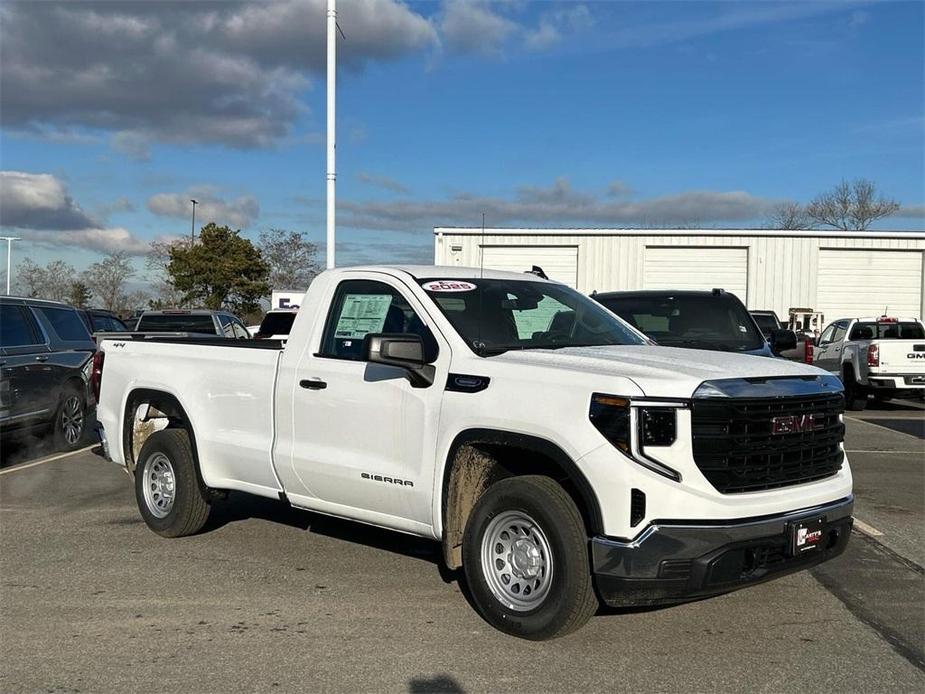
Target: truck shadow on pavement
column 240, row 507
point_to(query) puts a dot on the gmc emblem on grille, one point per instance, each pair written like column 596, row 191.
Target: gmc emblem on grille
column 791, row 424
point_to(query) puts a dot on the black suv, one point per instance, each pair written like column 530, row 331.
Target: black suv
column 45, row 361
column 715, row 320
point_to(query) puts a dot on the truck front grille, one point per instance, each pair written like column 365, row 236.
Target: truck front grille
column 736, row 447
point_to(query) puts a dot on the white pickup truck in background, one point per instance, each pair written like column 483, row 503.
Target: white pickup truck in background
column 883, row 357
column 558, row 456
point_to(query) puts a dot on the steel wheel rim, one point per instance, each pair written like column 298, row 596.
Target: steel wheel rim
column 517, row 562
column 72, row 420
column 159, row 485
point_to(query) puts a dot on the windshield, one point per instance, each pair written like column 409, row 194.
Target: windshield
column 766, row 323
column 909, row 330
column 494, row 316
column 699, row 321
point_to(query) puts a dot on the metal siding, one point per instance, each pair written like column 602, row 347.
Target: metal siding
column 864, row 282
column 782, row 266
column 560, row 263
column 700, row 267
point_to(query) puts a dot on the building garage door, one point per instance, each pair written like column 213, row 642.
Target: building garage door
column 697, row 267
column 854, row 283
column 560, row 263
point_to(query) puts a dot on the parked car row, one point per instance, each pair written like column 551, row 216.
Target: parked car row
column 45, row 361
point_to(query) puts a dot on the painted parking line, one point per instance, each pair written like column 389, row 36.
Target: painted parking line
column 868, row 530
column 50, row 459
column 880, row 450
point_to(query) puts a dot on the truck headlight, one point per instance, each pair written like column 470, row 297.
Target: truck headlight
column 610, row 415
column 619, row 418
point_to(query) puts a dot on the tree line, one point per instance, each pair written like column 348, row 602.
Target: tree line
column 221, row 270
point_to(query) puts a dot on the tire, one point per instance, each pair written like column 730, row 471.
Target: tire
column 70, row 421
column 548, row 591
column 883, row 397
column 170, row 497
column 855, row 394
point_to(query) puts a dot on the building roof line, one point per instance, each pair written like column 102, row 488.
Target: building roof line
column 589, row 231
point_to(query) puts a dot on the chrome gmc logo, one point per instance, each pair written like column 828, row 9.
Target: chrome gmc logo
column 791, row 424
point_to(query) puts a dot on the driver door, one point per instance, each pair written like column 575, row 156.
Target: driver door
column 366, row 438
column 827, row 354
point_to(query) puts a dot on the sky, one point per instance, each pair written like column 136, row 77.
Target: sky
column 608, row 114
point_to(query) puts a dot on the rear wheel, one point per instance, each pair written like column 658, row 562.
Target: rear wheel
column 170, row 497
column 525, row 557
column 70, row 420
column 855, row 393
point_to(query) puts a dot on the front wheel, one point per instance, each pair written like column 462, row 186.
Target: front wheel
column 525, row 558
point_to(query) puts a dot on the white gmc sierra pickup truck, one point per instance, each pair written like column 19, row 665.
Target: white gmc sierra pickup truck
column 883, row 357
column 558, row 455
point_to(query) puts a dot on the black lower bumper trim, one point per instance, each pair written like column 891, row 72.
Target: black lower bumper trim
column 673, row 563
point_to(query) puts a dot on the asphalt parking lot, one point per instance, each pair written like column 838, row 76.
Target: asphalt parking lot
column 273, row 599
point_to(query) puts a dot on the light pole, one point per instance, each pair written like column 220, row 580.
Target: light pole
column 332, row 175
column 9, row 255
column 192, row 230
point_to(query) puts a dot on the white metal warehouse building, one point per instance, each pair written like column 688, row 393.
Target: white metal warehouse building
column 841, row 274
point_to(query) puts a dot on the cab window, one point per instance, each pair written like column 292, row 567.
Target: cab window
column 363, row 307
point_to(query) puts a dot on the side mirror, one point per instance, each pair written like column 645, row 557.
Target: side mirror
column 782, row 340
column 403, row 350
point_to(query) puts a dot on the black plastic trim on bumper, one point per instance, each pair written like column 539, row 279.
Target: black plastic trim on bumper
column 672, row 561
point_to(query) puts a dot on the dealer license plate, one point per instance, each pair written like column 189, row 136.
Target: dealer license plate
column 806, row 536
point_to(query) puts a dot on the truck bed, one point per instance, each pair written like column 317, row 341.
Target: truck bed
column 226, row 387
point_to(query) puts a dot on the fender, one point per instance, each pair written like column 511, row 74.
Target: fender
column 137, row 393
column 526, row 442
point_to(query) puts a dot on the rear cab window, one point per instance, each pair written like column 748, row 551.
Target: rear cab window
column 177, row 323
column 893, row 330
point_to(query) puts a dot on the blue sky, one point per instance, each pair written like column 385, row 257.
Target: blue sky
column 539, row 113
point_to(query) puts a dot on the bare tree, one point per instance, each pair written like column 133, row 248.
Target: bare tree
column 166, row 295
column 291, row 258
column 851, row 206
column 107, row 279
column 789, row 215
column 29, row 278
column 53, row 281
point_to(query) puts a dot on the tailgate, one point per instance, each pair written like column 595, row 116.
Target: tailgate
column 901, row 356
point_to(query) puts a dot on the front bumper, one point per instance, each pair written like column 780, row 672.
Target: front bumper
column 672, row 561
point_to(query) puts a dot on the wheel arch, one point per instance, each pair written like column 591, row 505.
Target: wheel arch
column 478, row 457
column 162, row 406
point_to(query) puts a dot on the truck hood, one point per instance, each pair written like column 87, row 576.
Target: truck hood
column 669, row 372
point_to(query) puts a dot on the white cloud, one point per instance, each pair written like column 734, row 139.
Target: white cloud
column 41, row 210
column 38, row 201
column 470, row 26
column 385, row 182
column 238, row 213
column 557, row 204
column 145, row 72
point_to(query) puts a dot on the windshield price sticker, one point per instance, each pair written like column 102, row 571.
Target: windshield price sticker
column 448, row 286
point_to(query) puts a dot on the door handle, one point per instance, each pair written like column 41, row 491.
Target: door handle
column 313, row 384
column 41, row 358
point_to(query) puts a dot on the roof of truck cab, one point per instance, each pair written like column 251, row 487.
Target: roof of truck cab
column 879, row 319
column 437, row 272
